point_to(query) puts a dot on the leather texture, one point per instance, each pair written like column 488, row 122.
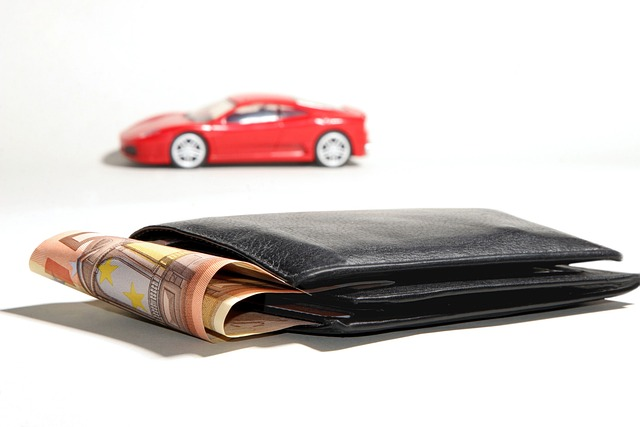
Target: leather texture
column 309, row 248
column 370, row 271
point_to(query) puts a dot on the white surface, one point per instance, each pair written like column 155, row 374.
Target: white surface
column 531, row 109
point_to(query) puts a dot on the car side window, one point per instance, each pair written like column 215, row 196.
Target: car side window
column 254, row 113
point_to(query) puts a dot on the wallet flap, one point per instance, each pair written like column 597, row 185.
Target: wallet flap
column 309, row 249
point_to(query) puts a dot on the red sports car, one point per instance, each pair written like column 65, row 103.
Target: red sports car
column 249, row 128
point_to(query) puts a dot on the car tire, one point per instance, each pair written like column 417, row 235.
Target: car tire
column 333, row 149
column 188, row 151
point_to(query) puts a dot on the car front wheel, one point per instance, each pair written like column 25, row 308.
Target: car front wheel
column 333, row 149
column 188, row 151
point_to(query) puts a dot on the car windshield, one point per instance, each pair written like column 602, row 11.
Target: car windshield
column 211, row 112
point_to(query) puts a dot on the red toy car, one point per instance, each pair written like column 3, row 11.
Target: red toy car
column 249, row 128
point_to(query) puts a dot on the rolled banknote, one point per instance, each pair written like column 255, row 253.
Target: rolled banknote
column 189, row 291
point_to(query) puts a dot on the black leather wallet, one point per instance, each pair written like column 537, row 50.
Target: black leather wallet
column 371, row 271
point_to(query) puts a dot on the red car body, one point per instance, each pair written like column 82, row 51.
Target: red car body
column 247, row 129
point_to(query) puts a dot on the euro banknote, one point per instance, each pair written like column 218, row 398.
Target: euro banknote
column 191, row 292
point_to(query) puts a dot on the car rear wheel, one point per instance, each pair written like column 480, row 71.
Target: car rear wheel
column 333, row 149
column 188, row 151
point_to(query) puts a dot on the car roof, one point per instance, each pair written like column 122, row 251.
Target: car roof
column 251, row 98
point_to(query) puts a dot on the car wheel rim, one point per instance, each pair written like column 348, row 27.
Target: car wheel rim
column 188, row 151
column 333, row 149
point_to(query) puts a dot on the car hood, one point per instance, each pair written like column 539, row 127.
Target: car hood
column 157, row 123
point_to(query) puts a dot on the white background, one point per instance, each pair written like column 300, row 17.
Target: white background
column 528, row 107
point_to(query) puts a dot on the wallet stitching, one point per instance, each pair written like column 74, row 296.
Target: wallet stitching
column 626, row 280
column 559, row 257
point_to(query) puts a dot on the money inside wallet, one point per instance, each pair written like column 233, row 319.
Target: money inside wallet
column 333, row 273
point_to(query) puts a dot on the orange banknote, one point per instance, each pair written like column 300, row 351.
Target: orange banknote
column 189, row 291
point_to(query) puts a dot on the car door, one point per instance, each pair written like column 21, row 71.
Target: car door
column 296, row 138
column 248, row 133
